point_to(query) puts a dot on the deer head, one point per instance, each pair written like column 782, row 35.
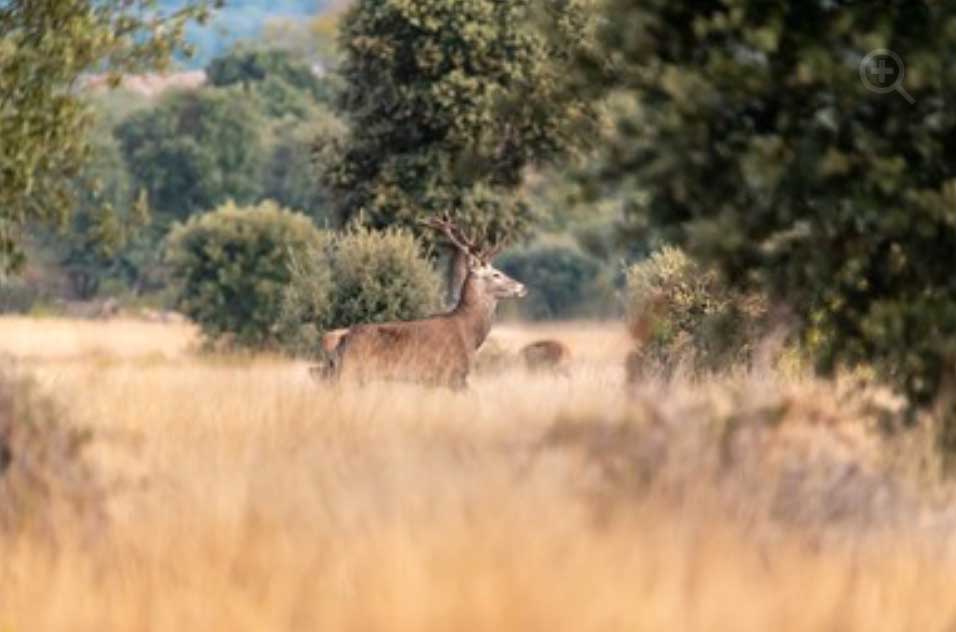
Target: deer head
column 489, row 280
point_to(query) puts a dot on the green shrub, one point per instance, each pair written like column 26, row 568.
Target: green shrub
column 381, row 276
column 680, row 312
column 562, row 281
column 362, row 276
column 306, row 308
column 232, row 265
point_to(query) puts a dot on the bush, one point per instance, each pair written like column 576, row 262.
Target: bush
column 562, row 281
column 233, row 265
column 362, row 276
column 44, row 477
column 306, row 308
column 681, row 312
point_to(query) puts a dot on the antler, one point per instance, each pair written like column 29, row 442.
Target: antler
column 492, row 251
column 445, row 226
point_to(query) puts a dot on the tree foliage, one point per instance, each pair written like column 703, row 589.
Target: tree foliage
column 286, row 82
column 181, row 154
column 290, row 172
column 45, row 46
column 109, row 215
column 447, row 102
column 196, row 150
column 563, row 281
column 313, row 39
column 759, row 147
column 252, row 66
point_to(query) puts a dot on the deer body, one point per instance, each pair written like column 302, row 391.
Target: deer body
column 438, row 350
column 546, row 356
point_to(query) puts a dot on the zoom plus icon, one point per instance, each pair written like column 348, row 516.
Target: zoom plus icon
column 882, row 71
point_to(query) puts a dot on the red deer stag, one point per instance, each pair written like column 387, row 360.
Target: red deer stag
column 438, row 350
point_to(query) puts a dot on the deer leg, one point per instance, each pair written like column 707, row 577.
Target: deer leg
column 458, row 381
column 319, row 372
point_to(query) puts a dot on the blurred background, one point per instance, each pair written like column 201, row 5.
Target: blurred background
column 247, row 117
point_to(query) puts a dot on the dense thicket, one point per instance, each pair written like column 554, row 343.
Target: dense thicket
column 758, row 147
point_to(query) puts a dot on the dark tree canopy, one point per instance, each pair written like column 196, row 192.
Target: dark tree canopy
column 251, row 66
column 290, row 174
column 448, row 102
column 196, row 150
column 759, row 147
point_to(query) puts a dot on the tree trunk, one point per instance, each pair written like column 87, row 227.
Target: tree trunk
column 456, row 273
column 945, row 419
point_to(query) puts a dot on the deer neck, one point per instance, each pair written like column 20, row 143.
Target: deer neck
column 476, row 309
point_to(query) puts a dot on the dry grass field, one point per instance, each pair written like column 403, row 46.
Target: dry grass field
column 242, row 496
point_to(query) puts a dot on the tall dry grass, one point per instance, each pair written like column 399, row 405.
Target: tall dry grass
column 245, row 497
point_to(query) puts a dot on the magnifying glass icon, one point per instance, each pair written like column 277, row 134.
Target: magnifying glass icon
column 882, row 71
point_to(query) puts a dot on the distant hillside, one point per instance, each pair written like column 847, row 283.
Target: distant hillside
column 238, row 20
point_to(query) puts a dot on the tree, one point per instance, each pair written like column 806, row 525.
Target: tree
column 94, row 245
column 759, row 147
column 195, row 150
column 284, row 80
column 313, row 39
column 448, row 101
column 45, row 46
column 564, row 282
column 247, row 67
column 290, row 173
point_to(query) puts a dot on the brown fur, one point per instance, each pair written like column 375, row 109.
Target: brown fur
column 331, row 340
column 438, row 350
column 546, row 355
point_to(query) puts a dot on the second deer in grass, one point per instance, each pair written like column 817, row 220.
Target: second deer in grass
column 546, row 356
column 438, row 350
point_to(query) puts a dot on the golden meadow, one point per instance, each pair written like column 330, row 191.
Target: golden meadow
column 234, row 493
